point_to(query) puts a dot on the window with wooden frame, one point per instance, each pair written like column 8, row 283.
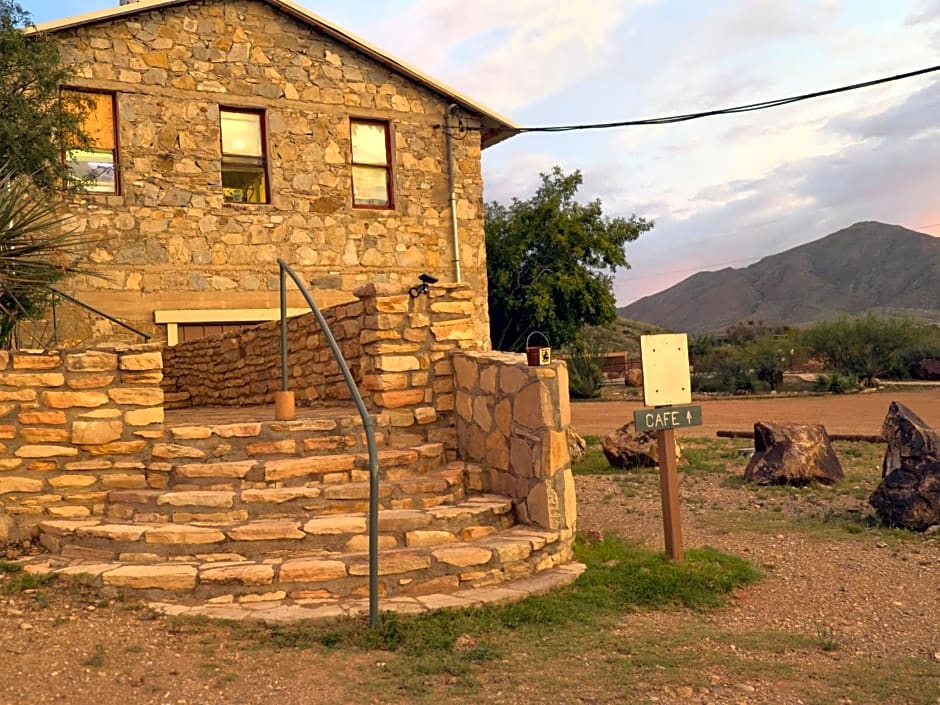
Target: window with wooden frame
column 371, row 163
column 94, row 167
column 244, row 165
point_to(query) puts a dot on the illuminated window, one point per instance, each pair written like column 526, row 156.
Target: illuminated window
column 95, row 167
column 371, row 164
column 244, row 168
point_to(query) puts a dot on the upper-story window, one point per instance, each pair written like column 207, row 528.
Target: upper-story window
column 94, row 168
column 244, row 166
column 371, row 164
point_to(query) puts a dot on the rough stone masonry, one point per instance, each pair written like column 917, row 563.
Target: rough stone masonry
column 170, row 241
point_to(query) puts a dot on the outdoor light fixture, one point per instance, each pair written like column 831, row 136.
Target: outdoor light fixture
column 422, row 288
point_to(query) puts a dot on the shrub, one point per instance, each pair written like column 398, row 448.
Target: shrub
column 835, row 383
column 867, row 347
column 585, row 375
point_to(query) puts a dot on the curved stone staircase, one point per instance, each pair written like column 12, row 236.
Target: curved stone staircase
column 268, row 520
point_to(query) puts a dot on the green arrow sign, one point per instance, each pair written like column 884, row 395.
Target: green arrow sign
column 664, row 417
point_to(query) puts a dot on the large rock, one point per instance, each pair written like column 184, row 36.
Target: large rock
column 792, row 454
column 577, row 446
column 928, row 368
column 909, row 493
column 633, row 377
column 628, row 448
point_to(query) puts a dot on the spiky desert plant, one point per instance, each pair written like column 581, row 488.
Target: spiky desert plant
column 38, row 247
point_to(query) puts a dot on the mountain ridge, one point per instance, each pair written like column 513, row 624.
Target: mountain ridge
column 868, row 266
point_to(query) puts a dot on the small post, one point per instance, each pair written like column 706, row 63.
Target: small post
column 284, row 406
column 283, row 329
column 669, row 492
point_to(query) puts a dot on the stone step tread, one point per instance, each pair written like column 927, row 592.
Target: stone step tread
column 291, row 466
column 228, row 498
column 292, row 610
column 159, row 539
column 477, row 505
column 473, row 557
column 277, row 607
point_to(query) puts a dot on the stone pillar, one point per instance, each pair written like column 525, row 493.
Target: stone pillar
column 406, row 346
column 512, row 421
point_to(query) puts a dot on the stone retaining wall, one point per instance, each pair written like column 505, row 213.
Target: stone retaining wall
column 513, row 420
column 244, row 368
column 397, row 347
column 74, row 425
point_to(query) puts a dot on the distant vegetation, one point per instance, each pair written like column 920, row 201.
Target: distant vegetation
column 585, row 355
column 851, row 352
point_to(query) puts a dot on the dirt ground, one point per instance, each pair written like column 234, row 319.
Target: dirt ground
column 849, row 413
column 839, row 603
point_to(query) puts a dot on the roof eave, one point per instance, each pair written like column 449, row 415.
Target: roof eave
column 496, row 127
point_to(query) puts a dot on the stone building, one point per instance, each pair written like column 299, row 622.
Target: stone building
column 228, row 133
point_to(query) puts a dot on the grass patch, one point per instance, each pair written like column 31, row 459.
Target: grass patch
column 712, row 455
column 16, row 580
column 622, row 576
column 820, row 523
column 594, row 462
column 452, row 644
column 96, row 660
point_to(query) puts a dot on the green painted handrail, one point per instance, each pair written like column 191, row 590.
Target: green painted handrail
column 366, row 423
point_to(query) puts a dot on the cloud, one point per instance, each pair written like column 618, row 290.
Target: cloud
column 927, row 11
column 909, row 118
column 508, row 54
column 522, row 180
column 892, row 181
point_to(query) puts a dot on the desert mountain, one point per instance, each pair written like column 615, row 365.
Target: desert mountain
column 869, row 266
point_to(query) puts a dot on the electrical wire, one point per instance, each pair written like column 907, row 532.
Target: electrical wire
column 750, row 107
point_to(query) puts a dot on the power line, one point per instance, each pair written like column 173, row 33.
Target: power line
column 750, row 107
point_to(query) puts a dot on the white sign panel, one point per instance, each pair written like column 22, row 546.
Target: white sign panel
column 666, row 377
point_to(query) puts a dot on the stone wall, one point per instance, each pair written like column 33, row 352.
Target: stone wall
column 398, row 348
column 244, row 368
column 168, row 239
column 72, row 427
column 513, row 420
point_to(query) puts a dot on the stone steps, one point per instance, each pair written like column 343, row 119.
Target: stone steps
column 167, row 541
column 429, row 565
column 206, row 504
column 334, row 468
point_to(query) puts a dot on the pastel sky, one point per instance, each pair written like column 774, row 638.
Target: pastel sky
column 724, row 191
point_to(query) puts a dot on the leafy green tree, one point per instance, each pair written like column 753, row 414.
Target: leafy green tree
column 39, row 123
column 550, row 261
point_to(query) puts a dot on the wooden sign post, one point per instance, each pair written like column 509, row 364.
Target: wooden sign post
column 667, row 382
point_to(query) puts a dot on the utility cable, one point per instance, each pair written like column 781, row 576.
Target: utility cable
column 750, row 107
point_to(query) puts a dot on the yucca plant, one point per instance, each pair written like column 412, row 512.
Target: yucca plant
column 38, row 247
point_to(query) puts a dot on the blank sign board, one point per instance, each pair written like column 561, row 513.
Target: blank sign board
column 666, row 378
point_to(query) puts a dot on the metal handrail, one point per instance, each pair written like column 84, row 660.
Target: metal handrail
column 55, row 333
column 367, row 424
